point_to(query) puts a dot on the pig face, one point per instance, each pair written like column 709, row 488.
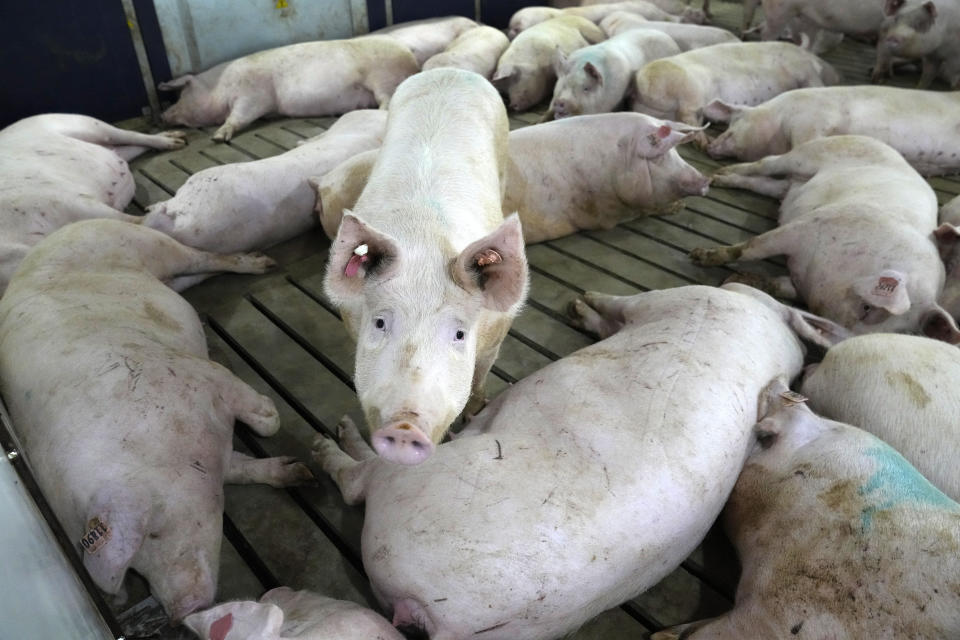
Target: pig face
column 579, row 88
column 650, row 169
column 418, row 314
column 751, row 132
column 525, row 84
column 196, row 106
column 906, row 32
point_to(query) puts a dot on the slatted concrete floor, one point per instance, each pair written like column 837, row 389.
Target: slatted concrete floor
column 279, row 333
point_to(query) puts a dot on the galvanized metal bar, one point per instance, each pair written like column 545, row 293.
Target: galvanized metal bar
column 477, row 10
column 142, row 60
column 358, row 14
column 388, row 11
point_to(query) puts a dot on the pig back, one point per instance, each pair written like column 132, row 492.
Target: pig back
column 587, row 482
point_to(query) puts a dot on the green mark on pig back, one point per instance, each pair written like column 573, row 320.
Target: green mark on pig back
column 911, row 388
column 895, row 482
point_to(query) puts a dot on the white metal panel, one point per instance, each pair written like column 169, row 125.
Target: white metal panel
column 199, row 34
column 40, row 595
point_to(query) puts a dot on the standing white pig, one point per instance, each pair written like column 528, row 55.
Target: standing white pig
column 856, row 225
column 59, row 168
column 839, row 537
column 283, row 614
column 921, row 125
column 476, row 50
column 427, row 38
column 253, row 205
column 594, row 79
column 687, row 36
column 928, row 31
column 307, row 79
column 426, row 272
column 125, row 422
column 581, row 485
column 525, row 70
column 861, row 18
column 901, row 389
column 627, row 167
column 679, row 87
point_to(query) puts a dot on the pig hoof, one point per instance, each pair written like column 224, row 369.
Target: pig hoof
column 175, row 139
column 288, row 472
column 707, row 257
column 223, row 134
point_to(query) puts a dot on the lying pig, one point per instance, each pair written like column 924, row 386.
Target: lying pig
column 559, row 500
column 679, row 87
column 594, row 79
column 427, row 38
column 307, row 79
column 921, row 125
column 425, row 270
column 627, row 167
column 123, row 419
column 58, row 168
column 687, row 36
column 900, row 389
column 838, row 536
column 283, row 613
column 525, row 70
column 532, row 16
column 927, row 31
column 253, row 205
column 476, row 50
column 948, row 235
column 856, row 225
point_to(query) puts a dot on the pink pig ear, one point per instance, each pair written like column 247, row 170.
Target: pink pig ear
column 940, row 325
column 946, row 237
column 592, row 71
column 892, row 6
column 359, row 252
column 237, row 621
column 496, row 266
column 887, row 290
column 656, row 137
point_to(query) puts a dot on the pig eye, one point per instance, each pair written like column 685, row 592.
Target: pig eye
column 459, row 335
column 380, row 323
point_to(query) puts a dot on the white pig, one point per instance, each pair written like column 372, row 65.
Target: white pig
column 627, row 167
column 427, row 38
column 425, row 270
column 928, row 31
column 901, row 389
column 59, row 168
column 525, row 70
column 581, row 485
column 283, row 614
column 856, row 226
column 253, row 205
column 839, row 537
column 860, row 18
column 921, row 125
column 679, row 87
column 594, row 79
column 306, row 79
column 687, row 36
column 532, row 16
column 123, row 419
column 476, row 50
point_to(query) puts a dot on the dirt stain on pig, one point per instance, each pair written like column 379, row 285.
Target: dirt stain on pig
column 838, row 495
column 913, row 389
column 159, row 317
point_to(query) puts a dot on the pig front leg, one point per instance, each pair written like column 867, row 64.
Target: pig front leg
column 773, row 187
column 599, row 313
column 278, row 472
column 243, row 112
column 929, row 73
column 254, row 409
column 777, row 241
column 350, row 475
column 127, row 144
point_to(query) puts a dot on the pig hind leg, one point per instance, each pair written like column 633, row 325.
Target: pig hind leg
column 777, row 241
column 279, row 472
column 599, row 313
column 253, row 409
column 127, row 144
column 349, row 474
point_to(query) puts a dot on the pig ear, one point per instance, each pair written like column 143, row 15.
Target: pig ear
column 359, row 253
column 815, row 329
column 237, row 621
column 946, row 237
column 496, row 265
column 593, row 73
column 892, row 6
column 720, row 111
column 940, row 325
column 888, row 290
column 658, row 137
column 928, row 18
column 176, row 84
column 503, row 74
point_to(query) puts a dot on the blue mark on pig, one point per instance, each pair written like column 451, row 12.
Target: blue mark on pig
column 895, row 482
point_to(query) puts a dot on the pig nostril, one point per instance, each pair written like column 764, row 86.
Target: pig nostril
column 416, row 444
column 390, row 439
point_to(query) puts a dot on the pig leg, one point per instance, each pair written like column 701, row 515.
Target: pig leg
column 599, row 313
column 96, row 132
column 243, row 112
column 779, row 241
column 253, row 409
column 353, row 443
column 929, row 73
column 382, row 83
column 773, row 187
column 349, row 475
column 778, row 287
column 749, row 9
column 278, row 472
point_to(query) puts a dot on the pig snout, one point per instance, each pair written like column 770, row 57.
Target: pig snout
column 694, row 182
column 402, row 442
column 561, row 109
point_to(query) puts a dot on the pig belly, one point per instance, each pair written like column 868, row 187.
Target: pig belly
column 332, row 99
